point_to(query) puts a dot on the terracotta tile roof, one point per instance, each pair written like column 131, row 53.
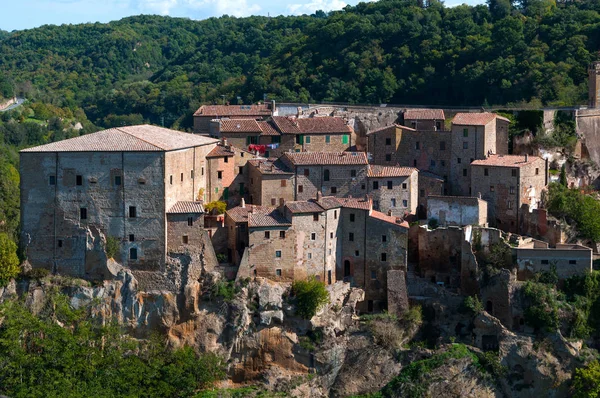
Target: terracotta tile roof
column 329, row 202
column 267, row 128
column 475, row 119
column 270, row 166
column 389, row 171
column 393, row 127
column 325, row 158
column 262, row 110
column 313, row 125
column 240, row 214
column 221, row 151
column 267, row 218
column 183, row 207
column 424, row 114
column 143, row 138
column 355, row 203
column 389, row 219
column 304, row 207
column 506, row 161
column 239, row 126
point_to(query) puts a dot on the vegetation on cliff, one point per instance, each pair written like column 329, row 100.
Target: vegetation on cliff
column 576, row 206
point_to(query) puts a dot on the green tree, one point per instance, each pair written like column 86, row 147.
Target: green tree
column 311, row 295
column 499, row 8
column 586, row 383
column 563, row 175
column 9, row 262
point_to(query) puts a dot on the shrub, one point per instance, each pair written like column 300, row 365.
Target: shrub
column 221, row 258
column 226, row 290
column 386, row 333
column 586, row 383
column 542, row 312
column 9, row 262
column 473, row 304
column 414, row 316
column 112, row 246
column 311, row 296
column 216, row 206
column 37, row 273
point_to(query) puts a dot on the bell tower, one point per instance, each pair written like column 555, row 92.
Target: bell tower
column 594, row 85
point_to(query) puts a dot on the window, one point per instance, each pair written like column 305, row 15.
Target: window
column 282, row 234
column 413, row 125
column 281, row 201
column 390, row 184
column 384, row 238
column 404, row 203
column 327, row 139
column 383, row 256
column 356, row 253
column 352, row 173
column 192, row 174
column 326, row 175
column 240, row 170
column 388, row 157
column 432, row 163
column 373, row 275
column 171, row 180
column 442, row 145
column 465, row 132
column 388, row 141
column 545, row 262
column 572, row 261
column 464, row 172
column 514, row 172
column 274, row 140
column 273, row 201
column 458, row 160
column 79, row 180
column 376, row 205
column 278, row 271
column 202, row 171
column 219, row 175
column 190, row 221
column 306, row 172
column 403, row 185
column 443, row 163
column 352, row 217
column 465, row 145
column 132, row 212
column 181, row 178
column 133, row 253
column 393, row 202
column 283, row 183
column 334, row 217
column 417, row 145
column 300, row 188
column 422, row 193
column 226, row 159
column 307, row 139
column 52, row 180
column 313, row 236
column 277, row 253
column 491, row 188
column 363, row 186
column 118, row 180
column 83, row 213
column 185, row 239
column 60, row 243
column 267, row 234
column 345, row 139
column 537, row 171
column 331, row 235
column 414, row 162
column 351, row 237
column 485, row 172
column 375, row 185
column 333, row 190
column 509, row 204
column 512, row 190
column 131, row 237
column 438, row 125
column 316, row 217
column 309, row 255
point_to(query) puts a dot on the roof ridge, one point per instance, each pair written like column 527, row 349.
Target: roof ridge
column 138, row 138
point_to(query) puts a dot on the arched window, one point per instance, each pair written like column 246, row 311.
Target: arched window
column 346, row 268
column 326, row 175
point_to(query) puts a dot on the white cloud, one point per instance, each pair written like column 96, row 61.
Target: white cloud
column 162, row 7
column 236, row 8
column 315, row 5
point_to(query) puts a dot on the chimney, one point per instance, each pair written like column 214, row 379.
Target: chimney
column 389, row 212
column 526, row 157
column 319, row 196
column 370, row 199
column 243, row 203
column 298, row 111
column 253, row 209
column 479, row 195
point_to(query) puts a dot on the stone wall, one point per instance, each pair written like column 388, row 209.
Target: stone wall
column 457, row 210
column 181, row 234
column 399, row 199
column 440, row 253
column 312, row 179
column 538, row 224
column 569, row 260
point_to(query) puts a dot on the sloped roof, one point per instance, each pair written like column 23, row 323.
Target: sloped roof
column 424, row 114
column 326, row 158
column 262, row 110
column 304, row 207
column 389, row 171
column 267, row 218
column 389, row 219
column 221, row 151
column 270, row 166
column 267, row 129
column 476, row 119
column 142, row 138
column 393, row 127
column 506, row 161
column 239, row 126
column 355, row 203
column 313, row 125
column 240, row 214
column 184, row 207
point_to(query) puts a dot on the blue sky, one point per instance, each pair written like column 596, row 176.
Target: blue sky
column 25, row 14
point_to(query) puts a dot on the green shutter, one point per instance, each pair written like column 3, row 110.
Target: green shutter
column 345, row 139
column 327, row 139
column 308, row 139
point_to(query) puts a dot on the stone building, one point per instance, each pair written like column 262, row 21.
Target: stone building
column 474, row 136
column 594, row 85
column 125, row 183
column 328, row 238
column 507, row 182
column 227, row 174
column 337, row 173
column 206, row 113
column 537, row 256
column 429, row 184
column 425, row 119
column 394, row 190
column 270, row 182
column 457, row 210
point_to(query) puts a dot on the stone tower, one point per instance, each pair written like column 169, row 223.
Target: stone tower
column 594, row 84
